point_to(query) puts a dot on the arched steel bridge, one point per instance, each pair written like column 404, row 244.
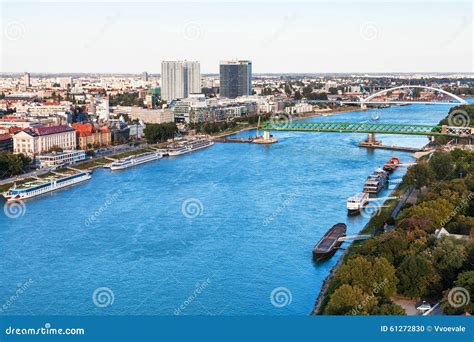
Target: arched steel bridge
column 364, row 127
column 369, row 99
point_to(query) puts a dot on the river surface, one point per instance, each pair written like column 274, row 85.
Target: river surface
column 227, row 230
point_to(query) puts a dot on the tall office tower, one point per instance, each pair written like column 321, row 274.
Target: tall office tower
column 179, row 79
column 26, row 79
column 145, row 76
column 235, row 79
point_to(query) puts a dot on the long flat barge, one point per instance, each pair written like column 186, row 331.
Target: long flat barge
column 329, row 243
column 390, row 147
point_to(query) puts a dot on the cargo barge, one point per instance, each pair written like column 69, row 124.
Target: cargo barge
column 330, row 242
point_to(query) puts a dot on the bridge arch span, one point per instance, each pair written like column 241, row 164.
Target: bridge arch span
column 457, row 98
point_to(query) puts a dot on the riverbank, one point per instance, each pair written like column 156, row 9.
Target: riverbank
column 376, row 222
column 389, row 208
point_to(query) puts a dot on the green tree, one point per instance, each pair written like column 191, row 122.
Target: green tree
column 350, row 300
column 414, row 275
column 419, row 175
column 374, row 277
column 449, row 256
column 442, row 164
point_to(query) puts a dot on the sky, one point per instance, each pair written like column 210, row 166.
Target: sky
column 278, row 37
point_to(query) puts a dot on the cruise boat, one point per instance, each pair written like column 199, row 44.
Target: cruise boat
column 357, row 202
column 376, row 182
column 177, row 150
column 197, row 144
column 43, row 186
column 138, row 159
column 189, row 146
column 330, row 242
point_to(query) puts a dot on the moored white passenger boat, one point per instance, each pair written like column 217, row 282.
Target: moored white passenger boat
column 127, row 162
column 42, row 186
column 189, row 146
column 357, row 202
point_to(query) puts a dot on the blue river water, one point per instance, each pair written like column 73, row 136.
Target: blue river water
column 214, row 232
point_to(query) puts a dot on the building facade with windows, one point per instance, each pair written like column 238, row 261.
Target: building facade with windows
column 37, row 140
column 235, row 79
column 90, row 135
column 179, row 79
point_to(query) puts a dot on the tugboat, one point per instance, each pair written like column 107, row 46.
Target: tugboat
column 328, row 245
column 392, row 164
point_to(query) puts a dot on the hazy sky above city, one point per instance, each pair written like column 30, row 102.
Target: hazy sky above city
column 338, row 36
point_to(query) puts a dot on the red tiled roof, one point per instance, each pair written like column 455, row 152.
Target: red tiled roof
column 52, row 129
column 5, row 136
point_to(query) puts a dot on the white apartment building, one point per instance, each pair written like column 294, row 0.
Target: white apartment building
column 179, row 79
column 299, row 108
column 41, row 139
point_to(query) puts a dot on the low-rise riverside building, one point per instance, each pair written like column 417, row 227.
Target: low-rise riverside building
column 155, row 116
column 90, row 135
column 208, row 110
column 38, row 140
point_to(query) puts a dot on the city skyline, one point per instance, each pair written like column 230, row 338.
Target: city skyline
column 324, row 38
